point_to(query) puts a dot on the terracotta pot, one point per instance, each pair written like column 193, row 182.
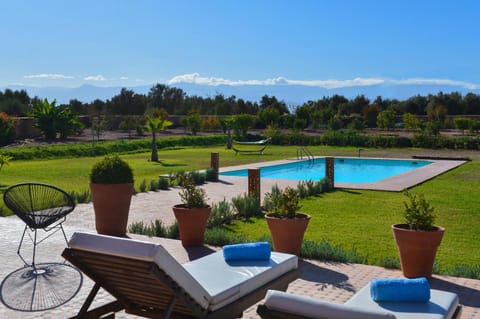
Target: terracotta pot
column 287, row 233
column 417, row 249
column 191, row 224
column 111, row 203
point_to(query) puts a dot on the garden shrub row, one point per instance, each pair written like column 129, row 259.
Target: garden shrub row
column 353, row 138
column 331, row 138
column 107, row 147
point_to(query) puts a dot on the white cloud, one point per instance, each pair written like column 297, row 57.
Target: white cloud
column 98, row 77
column 123, row 78
column 447, row 82
column 52, row 76
column 196, row 78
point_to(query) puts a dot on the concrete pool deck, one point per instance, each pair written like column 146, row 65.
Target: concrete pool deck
column 395, row 183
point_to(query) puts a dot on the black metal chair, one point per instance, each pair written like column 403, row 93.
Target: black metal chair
column 40, row 206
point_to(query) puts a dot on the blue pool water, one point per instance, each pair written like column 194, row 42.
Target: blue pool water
column 347, row 170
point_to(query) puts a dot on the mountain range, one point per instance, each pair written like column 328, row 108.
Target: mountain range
column 292, row 95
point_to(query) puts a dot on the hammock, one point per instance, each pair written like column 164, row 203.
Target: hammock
column 263, row 143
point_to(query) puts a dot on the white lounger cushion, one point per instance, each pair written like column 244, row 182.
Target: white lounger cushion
column 442, row 305
column 209, row 280
column 226, row 282
column 318, row 309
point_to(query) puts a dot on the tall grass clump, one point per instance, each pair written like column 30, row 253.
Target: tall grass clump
column 163, row 183
column 323, row 250
column 81, row 197
column 143, row 186
column 210, row 175
column 153, row 185
column 157, row 229
column 465, row 271
column 270, row 201
column 246, row 205
column 219, row 236
column 220, row 214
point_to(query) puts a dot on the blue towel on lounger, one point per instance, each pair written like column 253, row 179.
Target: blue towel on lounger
column 249, row 251
column 408, row 290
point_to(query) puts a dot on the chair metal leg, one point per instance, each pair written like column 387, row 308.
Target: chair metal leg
column 64, row 236
column 20, row 246
column 34, row 250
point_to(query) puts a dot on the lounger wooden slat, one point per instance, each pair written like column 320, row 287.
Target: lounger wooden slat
column 132, row 303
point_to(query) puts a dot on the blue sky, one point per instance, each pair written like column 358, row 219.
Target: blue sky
column 332, row 43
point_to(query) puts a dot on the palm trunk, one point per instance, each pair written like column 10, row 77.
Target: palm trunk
column 154, row 157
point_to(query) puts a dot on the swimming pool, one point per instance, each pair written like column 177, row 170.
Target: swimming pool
column 347, row 170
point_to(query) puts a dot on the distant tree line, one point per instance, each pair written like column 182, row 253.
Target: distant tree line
column 202, row 113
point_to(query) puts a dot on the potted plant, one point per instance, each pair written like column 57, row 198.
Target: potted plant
column 111, row 185
column 286, row 225
column 192, row 214
column 417, row 239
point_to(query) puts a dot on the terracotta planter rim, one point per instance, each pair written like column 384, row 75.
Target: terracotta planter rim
column 406, row 227
column 297, row 216
column 183, row 206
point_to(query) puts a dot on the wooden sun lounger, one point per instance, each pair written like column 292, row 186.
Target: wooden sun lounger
column 279, row 305
column 143, row 287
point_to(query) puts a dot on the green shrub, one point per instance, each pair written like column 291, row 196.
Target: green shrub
column 192, row 196
column 7, row 129
column 102, row 148
column 163, row 183
column 220, row 214
column 271, row 198
column 324, row 185
column 111, row 170
column 246, row 206
column 286, row 205
column 210, row 175
column 153, row 185
column 143, row 186
column 419, row 215
column 198, row 177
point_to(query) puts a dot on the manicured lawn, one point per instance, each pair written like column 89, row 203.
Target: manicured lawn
column 349, row 218
column 362, row 219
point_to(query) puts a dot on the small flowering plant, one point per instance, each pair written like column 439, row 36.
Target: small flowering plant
column 284, row 204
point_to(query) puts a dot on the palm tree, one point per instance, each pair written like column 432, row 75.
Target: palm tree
column 4, row 160
column 154, row 125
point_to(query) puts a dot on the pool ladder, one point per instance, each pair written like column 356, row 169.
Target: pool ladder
column 303, row 151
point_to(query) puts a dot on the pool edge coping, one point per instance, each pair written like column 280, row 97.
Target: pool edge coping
column 395, row 183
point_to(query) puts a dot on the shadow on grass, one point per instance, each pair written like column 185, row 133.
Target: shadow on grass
column 164, row 164
column 349, row 191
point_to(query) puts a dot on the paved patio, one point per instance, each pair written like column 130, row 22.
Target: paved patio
column 335, row 282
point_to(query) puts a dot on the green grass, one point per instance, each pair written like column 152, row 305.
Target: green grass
column 350, row 219
column 361, row 220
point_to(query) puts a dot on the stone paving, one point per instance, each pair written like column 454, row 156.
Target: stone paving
column 335, row 282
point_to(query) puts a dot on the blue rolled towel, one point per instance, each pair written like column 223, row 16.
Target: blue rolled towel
column 249, row 251
column 408, row 290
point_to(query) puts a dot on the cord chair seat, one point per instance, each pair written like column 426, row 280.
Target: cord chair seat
column 39, row 206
